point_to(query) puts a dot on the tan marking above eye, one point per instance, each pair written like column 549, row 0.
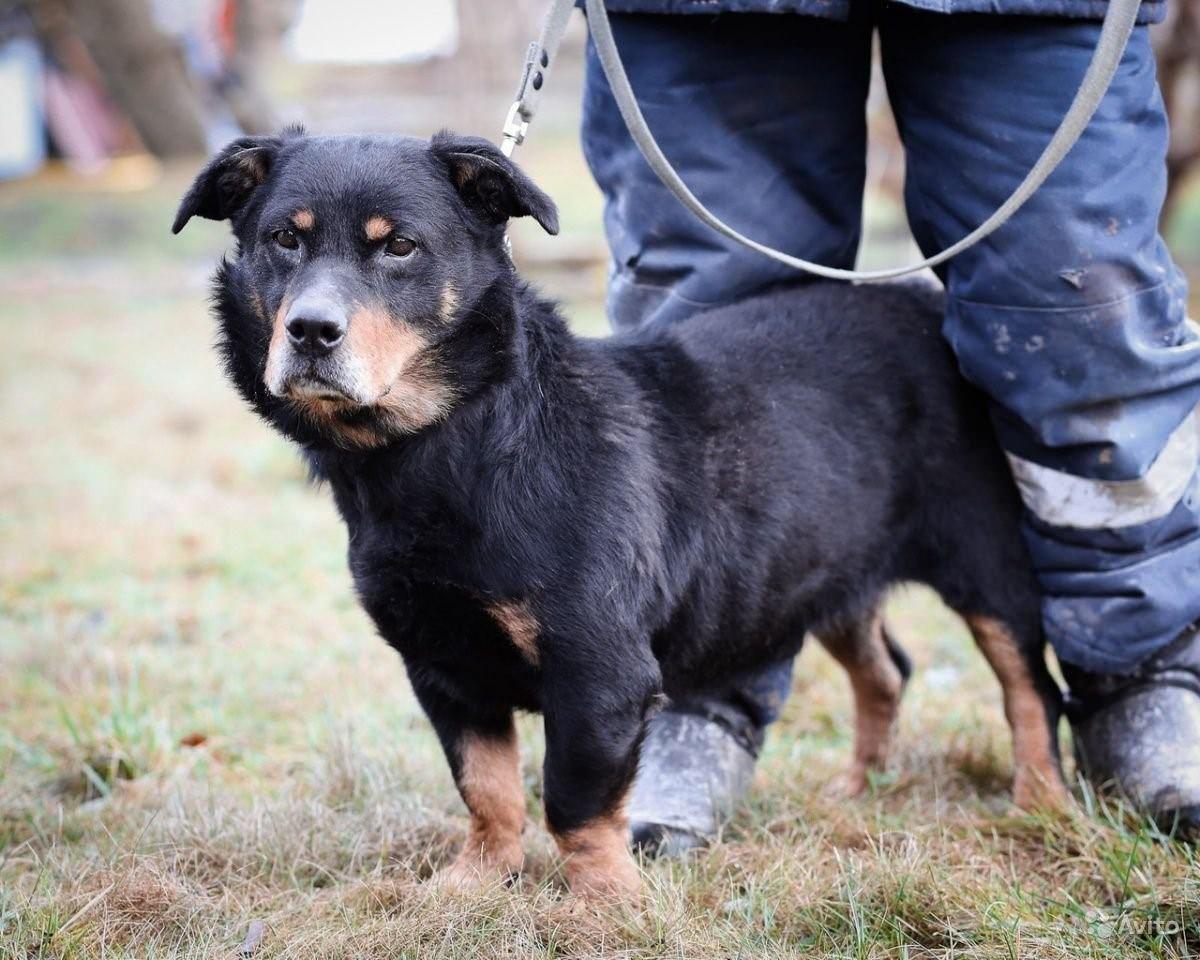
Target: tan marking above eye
column 303, row 220
column 378, row 228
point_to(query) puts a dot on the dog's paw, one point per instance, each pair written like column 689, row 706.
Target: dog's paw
column 849, row 784
column 468, row 875
column 626, row 892
column 618, row 883
column 1034, row 791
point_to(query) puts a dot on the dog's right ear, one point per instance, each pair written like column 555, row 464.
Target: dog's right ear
column 228, row 180
column 490, row 182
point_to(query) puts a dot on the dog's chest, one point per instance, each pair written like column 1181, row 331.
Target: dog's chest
column 483, row 645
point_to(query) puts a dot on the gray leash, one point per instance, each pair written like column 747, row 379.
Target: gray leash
column 1118, row 24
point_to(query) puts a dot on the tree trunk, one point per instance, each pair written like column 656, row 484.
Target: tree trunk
column 1177, row 45
column 144, row 72
column 242, row 88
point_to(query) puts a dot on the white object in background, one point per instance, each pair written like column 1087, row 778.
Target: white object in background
column 22, row 136
column 368, row 31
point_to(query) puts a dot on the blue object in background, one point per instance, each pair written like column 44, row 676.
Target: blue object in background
column 22, row 130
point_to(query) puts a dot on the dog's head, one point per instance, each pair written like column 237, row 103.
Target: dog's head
column 360, row 266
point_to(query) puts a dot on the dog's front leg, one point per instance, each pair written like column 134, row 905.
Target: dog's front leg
column 596, row 703
column 481, row 747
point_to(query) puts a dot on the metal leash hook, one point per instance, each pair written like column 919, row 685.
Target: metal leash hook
column 535, row 70
column 516, row 124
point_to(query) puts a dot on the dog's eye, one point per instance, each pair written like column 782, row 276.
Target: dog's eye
column 400, row 247
column 286, row 239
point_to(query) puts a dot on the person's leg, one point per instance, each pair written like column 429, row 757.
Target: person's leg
column 763, row 116
column 1072, row 318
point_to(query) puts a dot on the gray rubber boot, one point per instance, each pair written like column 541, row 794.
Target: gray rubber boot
column 696, row 766
column 1140, row 735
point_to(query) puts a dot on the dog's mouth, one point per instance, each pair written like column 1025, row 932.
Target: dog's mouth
column 310, row 385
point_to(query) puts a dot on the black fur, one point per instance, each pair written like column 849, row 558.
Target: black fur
column 673, row 506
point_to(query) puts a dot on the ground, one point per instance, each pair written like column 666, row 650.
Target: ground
column 203, row 743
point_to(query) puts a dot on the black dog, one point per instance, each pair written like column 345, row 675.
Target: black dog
column 543, row 522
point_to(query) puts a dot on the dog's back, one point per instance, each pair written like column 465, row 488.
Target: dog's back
column 816, row 421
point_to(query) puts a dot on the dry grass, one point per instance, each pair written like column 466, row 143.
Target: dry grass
column 199, row 731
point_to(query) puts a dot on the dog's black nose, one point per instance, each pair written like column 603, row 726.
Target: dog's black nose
column 314, row 329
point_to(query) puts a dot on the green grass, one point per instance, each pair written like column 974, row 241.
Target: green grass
column 199, row 728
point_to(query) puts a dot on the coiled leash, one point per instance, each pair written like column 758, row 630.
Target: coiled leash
column 1115, row 31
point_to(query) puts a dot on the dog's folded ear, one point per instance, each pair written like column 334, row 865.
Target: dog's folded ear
column 228, row 180
column 491, row 183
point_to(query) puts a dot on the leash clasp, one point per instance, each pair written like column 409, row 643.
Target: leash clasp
column 515, row 128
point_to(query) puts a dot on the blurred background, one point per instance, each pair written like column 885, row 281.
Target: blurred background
column 175, row 614
column 110, row 104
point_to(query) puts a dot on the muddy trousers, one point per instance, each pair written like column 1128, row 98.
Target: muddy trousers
column 1072, row 317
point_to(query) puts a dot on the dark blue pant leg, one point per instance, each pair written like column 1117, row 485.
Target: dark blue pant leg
column 763, row 117
column 1072, row 316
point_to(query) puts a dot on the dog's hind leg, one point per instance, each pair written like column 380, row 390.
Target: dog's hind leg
column 878, row 670
column 1032, row 705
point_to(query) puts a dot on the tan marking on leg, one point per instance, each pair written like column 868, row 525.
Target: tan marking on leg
column 449, row 303
column 522, row 629
column 304, row 220
column 1037, row 780
column 877, row 685
column 378, row 228
column 490, row 784
column 597, row 861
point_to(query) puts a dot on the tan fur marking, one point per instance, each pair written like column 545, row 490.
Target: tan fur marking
column 404, row 374
column 463, row 171
column 400, row 376
column 276, row 349
column 252, row 163
column 490, row 784
column 303, row 220
column 597, row 861
column 378, row 228
column 383, row 343
column 878, row 685
column 449, row 303
column 259, row 308
column 1037, row 780
column 522, row 629
column 327, row 415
